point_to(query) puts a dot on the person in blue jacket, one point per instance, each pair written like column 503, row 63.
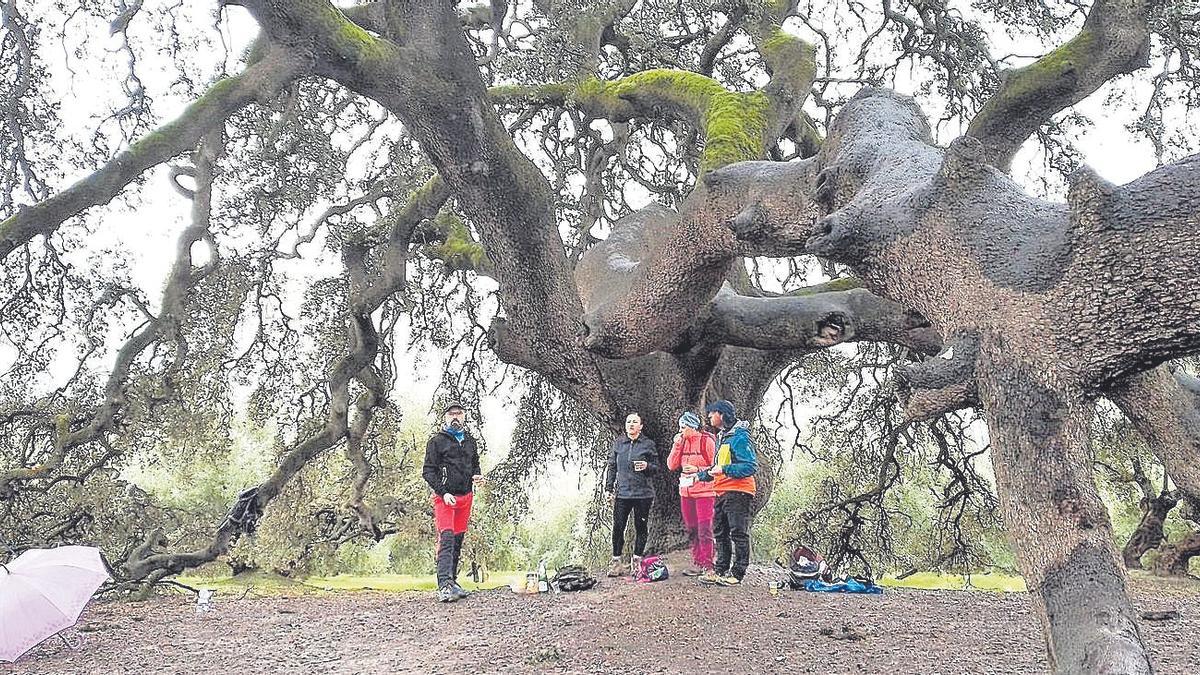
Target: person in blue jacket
column 733, row 480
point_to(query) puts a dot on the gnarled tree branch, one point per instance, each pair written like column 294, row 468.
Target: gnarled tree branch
column 259, row 82
column 1114, row 40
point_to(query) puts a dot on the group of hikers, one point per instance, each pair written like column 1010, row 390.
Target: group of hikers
column 716, row 462
column 716, row 485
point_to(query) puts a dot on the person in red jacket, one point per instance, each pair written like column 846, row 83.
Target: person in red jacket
column 692, row 451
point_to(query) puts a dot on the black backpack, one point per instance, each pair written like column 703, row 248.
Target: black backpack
column 573, row 578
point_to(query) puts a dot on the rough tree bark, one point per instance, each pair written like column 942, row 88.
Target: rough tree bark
column 999, row 274
column 736, row 346
column 1162, row 406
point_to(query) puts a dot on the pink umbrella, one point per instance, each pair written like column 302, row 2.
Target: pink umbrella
column 43, row 592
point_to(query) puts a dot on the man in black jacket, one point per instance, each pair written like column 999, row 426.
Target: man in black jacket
column 451, row 470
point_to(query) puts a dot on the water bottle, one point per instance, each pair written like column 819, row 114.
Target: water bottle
column 203, row 601
column 543, row 581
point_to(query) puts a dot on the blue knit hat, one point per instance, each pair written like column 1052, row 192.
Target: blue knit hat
column 728, row 416
column 689, row 419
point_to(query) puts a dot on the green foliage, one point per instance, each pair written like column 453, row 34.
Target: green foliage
column 195, row 482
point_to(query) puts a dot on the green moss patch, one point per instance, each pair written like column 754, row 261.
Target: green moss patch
column 931, row 581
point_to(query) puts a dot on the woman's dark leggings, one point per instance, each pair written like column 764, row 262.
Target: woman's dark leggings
column 641, row 516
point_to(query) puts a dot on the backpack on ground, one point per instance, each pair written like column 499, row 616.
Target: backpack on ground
column 573, row 578
column 806, row 565
column 653, row 568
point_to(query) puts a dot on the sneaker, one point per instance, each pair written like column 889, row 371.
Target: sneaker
column 694, row 571
column 616, row 569
column 458, row 591
column 446, row 594
column 719, row 579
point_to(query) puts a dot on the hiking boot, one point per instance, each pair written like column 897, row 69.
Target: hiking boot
column 446, row 594
column 635, row 566
column 458, row 591
column 694, row 571
column 617, row 568
column 715, row 578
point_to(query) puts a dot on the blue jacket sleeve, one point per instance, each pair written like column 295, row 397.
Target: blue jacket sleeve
column 745, row 461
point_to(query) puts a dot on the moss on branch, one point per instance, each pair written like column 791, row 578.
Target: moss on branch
column 792, row 61
column 734, row 124
column 1056, row 70
column 318, row 26
column 458, row 249
column 348, row 40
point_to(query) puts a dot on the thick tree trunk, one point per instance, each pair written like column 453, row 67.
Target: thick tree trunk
column 1057, row 522
column 1175, row 558
column 1149, row 532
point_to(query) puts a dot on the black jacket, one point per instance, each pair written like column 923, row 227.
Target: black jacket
column 449, row 464
column 621, row 478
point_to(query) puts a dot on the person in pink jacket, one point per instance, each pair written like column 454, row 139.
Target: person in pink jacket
column 692, row 451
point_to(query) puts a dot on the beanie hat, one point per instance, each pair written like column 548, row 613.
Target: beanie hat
column 728, row 416
column 689, row 419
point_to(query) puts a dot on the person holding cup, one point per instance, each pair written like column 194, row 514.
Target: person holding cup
column 692, row 451
column 629, row 482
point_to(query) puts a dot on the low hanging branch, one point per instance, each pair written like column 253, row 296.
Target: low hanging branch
column 1164, row 411
column 369, row 288
column 70, row 433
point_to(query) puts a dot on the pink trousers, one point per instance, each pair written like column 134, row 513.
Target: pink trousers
column 698, row 518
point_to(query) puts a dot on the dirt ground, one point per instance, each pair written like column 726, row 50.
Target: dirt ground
column 675, row 626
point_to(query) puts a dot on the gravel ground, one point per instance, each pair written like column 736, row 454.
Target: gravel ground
column 674, row 626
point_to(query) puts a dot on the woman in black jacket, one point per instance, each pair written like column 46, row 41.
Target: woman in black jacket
column 630, row 484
